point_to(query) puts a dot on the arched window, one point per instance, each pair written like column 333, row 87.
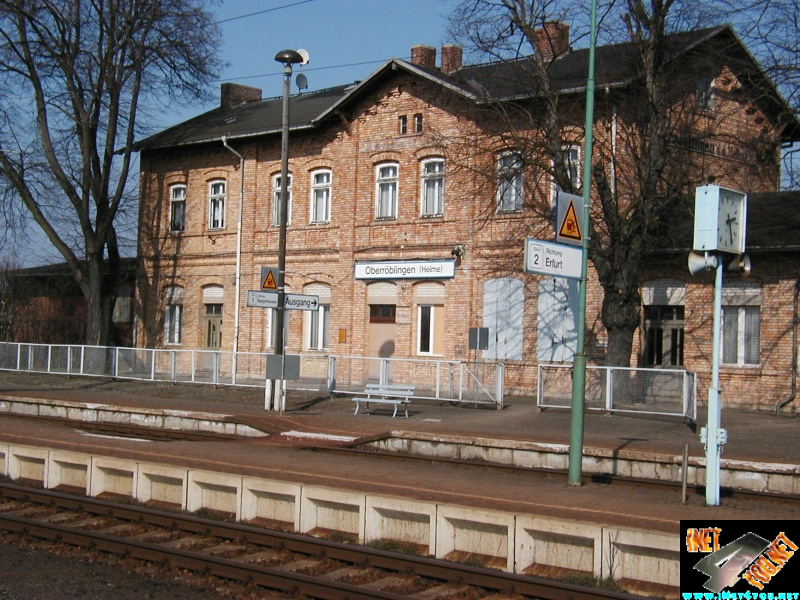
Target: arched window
column 386, row 179
column 321, row 196
column 177, row 208
column 173, row 315
column 432, row 196
column 216, row 205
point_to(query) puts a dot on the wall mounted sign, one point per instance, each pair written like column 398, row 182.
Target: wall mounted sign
column 406, row 269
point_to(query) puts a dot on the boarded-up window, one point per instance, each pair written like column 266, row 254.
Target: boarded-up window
column 503, row 310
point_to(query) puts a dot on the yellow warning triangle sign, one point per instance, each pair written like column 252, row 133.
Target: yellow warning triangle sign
column 269, row 282
column 569, row 226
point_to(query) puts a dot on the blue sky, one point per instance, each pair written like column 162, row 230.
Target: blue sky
column 346, row 39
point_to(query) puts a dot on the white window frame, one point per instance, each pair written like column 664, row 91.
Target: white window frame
column 573, row 168
column 216, row 204
column 276, row 200
column 177, row 198
column 173, row 317
column 432, row 188
column 510, row 182
column 426, row 317
column 386, row 182
column 740, row 330
column 321, row 196
column 319, row 328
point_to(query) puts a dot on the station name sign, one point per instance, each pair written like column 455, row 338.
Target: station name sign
column 406, row 269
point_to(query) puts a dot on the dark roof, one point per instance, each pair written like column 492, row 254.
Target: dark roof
column 497, row 81
column 246, row 120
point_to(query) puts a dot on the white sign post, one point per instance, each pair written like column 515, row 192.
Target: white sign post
column 258, row 299
column 555, row 260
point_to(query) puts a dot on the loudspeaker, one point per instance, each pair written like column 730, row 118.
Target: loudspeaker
column 740, row 264
column 701, row 262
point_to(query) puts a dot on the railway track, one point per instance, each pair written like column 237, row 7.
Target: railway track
column 272, row 560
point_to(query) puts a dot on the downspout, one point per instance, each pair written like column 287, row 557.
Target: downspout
column 783, row 403
column 237, row 276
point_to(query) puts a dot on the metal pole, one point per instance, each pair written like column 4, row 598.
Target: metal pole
column 277, row 396
column 579, row 361
column 714, row 434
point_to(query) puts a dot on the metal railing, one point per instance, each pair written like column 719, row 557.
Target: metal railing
column 455, row 381
column 622, row 389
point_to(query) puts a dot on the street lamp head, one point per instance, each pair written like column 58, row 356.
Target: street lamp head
column 289, row 57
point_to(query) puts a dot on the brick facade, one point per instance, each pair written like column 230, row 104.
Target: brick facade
column 366, row 134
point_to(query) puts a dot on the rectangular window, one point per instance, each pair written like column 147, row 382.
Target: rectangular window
column 510, row 183
column 425, row 329
column 418, row 123
column 430, row 329
column 571, row 162
column 172, row 323
column 318, row 331
column 433, row 188
column 216, row 205
column 741, row 335
column 703, row 94
column 321, row 197
column 177, row 208
column 386, row 192
column 276, row 200
column 664, row 336
column 382, row 313
column 402, row 124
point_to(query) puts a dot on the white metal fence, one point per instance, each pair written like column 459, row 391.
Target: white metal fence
column 620, row 389
column 455, row 381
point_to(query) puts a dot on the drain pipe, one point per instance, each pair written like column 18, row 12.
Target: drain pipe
column 794, row 353
column 237, row 276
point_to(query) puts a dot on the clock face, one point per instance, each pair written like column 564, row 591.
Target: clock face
column 730, row 222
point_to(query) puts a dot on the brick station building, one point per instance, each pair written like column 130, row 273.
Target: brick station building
column 395, row 226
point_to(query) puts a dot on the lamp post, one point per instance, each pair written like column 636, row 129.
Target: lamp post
column 288, row 58
column 578, row 402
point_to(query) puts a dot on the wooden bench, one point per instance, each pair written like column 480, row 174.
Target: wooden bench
column 378, row 393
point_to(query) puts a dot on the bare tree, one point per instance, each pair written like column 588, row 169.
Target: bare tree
column 77, row 77
column 632, row 196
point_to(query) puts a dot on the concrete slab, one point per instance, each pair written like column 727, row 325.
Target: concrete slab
column 161, row 483
column 637, row 555
column 215, row 491
column 546, row 546
column 326, row 511
column 113, row 476
column 401, row 520
column 4, row 460
column 28, row 463
column 68, row 469
column 473, row 535
column 272, row 501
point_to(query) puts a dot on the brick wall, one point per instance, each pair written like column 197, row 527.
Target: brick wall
column 326, row 253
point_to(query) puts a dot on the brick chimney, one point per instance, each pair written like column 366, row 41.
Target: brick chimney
column 234, row 94
column 424, row 56
column 553, row 40
column 451, row 58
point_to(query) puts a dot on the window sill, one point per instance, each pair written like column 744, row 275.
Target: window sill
column 740, row 369
column 432, row 216
column 386, row 218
